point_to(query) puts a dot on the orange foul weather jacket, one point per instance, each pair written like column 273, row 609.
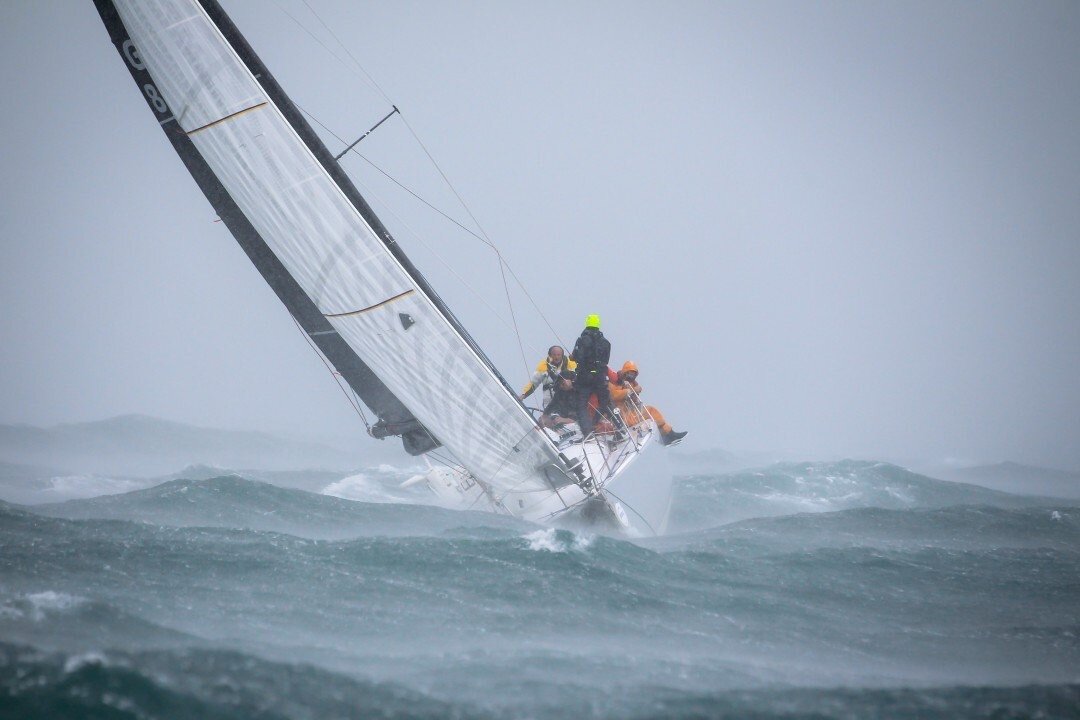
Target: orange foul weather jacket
column 620, row 395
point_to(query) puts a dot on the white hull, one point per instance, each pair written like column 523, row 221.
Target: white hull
column 598, row 461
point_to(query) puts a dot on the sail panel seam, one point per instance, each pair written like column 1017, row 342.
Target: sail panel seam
column 228, row 117
column 387, row 301
column 425, row 291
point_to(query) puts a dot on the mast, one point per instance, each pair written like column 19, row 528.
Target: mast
column 318, row 148
column 320, row 246
column 394, row 417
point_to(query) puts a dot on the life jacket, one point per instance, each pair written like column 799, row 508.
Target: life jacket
column 591, row 352
column 551, row 374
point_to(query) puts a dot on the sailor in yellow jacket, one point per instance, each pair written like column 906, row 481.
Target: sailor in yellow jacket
column 547, row 373
column 620, row 395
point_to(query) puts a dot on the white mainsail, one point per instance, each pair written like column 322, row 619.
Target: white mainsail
column 382, row 311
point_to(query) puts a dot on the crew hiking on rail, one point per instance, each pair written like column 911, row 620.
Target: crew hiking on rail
column 570, row 383
column 547, row 373
column 624, row 387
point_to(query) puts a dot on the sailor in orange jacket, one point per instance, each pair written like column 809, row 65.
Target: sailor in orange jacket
column 621, row 389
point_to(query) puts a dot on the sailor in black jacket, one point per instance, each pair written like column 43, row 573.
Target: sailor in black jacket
column 592, row 351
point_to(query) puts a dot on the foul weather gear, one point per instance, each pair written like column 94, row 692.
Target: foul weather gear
column 563, row 401
column 591, row 353
column 621, row 391
column 546, row 377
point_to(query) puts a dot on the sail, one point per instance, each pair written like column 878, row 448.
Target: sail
column 317, row 241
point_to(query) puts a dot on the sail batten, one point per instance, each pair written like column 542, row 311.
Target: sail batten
column 289, row 192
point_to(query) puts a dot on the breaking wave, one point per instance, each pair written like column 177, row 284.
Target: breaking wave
column 923, row 608
column 702, row 501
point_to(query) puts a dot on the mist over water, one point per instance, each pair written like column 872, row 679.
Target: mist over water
column 832, row 229
column 843, row 589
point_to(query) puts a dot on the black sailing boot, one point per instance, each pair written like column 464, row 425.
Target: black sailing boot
column 672, row 438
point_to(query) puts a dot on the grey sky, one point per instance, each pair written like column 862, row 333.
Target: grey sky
column 826, row 229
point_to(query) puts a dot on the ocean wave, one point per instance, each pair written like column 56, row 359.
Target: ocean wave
column 365, row 488
column 558, row 541
column 69, row 487
column 222, row 685
column 217, row 685
column 960, row 527
column 240, row 503
column 704, row 501
column 478, row 611
column 36, row 607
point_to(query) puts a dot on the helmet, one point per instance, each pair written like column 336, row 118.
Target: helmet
column 629, row 366
column 592, row 321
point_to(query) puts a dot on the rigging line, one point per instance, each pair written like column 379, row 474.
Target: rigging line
column 386, row 206
column 505, row 460
column 483, row 237
column 468, row 211
column 345, row 47
column 334, row 374
column 470, row 231
column 640, row 516
column 419, row 238
column 486, row 239
column 513, row 316
column 325, row 47
column 448, row 462
column 455, row 221
column 368, row 77
column 370, row 193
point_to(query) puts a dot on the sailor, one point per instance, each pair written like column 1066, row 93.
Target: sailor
column 591, row 353
column 562, row 410
column 547, row 373
column 622, row 392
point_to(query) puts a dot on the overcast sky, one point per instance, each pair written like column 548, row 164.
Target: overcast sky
column 819, row 228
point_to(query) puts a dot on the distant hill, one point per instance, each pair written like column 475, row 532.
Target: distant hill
column 1017, row 478
column 137, row 445
column 234, row 502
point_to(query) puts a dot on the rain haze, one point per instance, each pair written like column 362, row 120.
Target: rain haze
column 838, row 239
column 820, row 229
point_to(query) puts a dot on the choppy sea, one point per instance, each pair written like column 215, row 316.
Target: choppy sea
column 823, row 590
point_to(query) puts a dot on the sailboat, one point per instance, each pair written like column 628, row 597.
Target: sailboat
column 346, row 281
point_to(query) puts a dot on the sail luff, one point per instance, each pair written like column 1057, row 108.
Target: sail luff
column 318, row 148
column 353, row 370
column 329, row 242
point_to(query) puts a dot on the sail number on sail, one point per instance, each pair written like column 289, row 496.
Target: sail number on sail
column 138, row 70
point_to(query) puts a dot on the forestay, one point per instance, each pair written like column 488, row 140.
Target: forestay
column 326, row 238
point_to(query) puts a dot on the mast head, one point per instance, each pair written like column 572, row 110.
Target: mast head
column 592, row 321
